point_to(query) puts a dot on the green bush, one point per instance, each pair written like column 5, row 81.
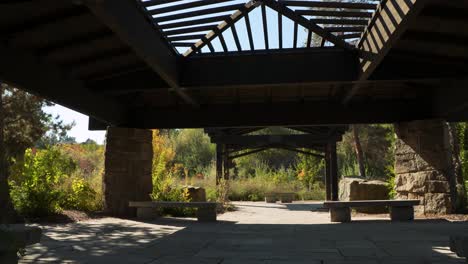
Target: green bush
column 36, row 181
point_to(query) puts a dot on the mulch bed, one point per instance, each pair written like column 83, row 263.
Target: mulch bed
column 66, row 216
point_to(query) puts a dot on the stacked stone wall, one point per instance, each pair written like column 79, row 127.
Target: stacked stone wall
column 423, row 165
column 128, row 166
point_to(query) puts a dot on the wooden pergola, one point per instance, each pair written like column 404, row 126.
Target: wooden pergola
column 318, row 141
column 194, row 63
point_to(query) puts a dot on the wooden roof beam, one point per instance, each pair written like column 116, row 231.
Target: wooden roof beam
column 389, row 23
column 281, row 7
column 218, row 31
column 26, row 71
column 127, row 20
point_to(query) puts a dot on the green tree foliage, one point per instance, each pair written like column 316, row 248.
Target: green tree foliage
column 193, row 149
column 311, row 170
column 35, row 188
column 22, row 124
column 25, row 122
column 377, row 142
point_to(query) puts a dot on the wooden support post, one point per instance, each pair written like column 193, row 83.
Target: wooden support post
column 327, row 175
column 219, row 162
column 226, row 162
column 333, row 170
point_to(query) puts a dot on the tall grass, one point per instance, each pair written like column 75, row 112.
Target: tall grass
column 253, row 188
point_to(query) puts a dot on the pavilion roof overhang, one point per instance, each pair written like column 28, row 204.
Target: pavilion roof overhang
column 121, row 66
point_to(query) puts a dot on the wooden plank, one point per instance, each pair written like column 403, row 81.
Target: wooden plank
column 282, row 8
column 280, row 140
column 26, row 71
column 265, row 27
column 281, row 114
column 197, row 13
column 389, row 23
column 296, row 26
column 236, row 37
column 242, row 11
column 296, row 67
column 127, row 21
column 328, row 4
column 249, row 32
column 174, row 8
column 327, row 13
column 280, row 30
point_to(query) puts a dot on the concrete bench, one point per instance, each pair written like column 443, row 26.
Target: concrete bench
column 400, row 210
column 459, row 245
column 282, row 197
column 206, row 211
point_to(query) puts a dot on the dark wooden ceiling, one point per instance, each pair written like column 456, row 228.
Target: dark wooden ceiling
column 114, row 61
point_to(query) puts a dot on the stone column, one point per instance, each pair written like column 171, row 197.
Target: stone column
column 128, row 165
column 423, row 165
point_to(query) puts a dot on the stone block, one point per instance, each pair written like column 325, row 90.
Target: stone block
column 340, row 214
column 356, row 189
column 438, row 187
column 402, row 213
column 206, row 214
column 270, row 198
column 423, row 164
column 195, row 194
column 411, row 182
column 146, row 213
column 437, row 203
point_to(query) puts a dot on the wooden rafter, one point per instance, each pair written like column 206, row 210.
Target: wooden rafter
column 282, row 8
column 217, row 31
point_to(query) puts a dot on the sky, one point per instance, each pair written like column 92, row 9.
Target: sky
column 80, row 130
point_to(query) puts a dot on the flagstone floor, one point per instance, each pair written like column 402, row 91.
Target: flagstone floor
column 256, row 233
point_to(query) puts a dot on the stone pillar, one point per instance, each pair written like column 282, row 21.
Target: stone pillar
column 128, row 166
column 423, row 165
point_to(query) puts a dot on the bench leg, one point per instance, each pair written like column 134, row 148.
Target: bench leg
column 270, row 199
column 341, row 214
column 402, row 213
column 286, row 199
column 206, row 214
column 147, row 213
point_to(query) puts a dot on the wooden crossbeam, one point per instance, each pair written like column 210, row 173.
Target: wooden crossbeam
column 389, row 23
column 126, row 20
column 26, row 71
column 328, row 4
column 282, row 8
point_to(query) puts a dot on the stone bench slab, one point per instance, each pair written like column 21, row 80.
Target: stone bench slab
column 160, row 204
column 367, row 203
column 400, row 210
column 206, row 211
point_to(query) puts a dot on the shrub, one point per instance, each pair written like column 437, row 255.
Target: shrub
column 36, row 180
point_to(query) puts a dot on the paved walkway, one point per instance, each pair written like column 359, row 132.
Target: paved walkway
column 256, row 233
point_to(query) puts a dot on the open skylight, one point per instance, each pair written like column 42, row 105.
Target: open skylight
column 217, row 26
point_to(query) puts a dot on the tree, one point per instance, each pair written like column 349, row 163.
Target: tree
column 194, row 149
column 358, row 149
column 22, row 124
